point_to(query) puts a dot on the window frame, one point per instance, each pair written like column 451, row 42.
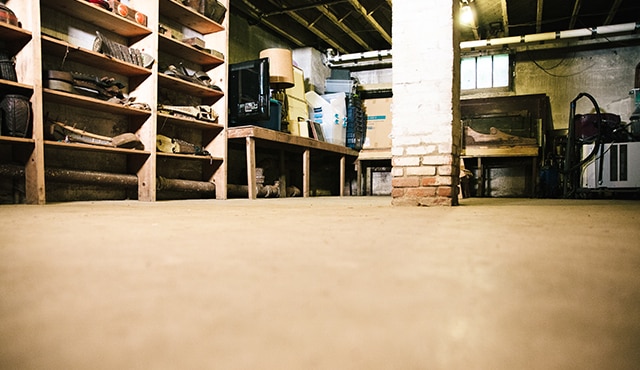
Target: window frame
column 511, row 71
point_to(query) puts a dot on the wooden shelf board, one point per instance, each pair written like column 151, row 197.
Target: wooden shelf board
column 188, row 52
column 100, row 17
column 92, row 58
column 189, row 88
column 94, row 148
column 15, row 37
column 12, row 86
column 17, row 140
column 188, row 17
column 80, row 101
column 192, row 157
column 188, row 122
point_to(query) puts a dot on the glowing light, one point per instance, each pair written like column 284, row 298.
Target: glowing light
column 466, row 15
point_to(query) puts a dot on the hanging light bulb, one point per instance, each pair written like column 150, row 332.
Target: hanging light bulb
column 466, row 15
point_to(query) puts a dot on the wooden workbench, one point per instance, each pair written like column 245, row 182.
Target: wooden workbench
column 255, row 135
column 505, row 151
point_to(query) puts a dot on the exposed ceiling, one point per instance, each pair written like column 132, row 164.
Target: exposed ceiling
column 355, row 26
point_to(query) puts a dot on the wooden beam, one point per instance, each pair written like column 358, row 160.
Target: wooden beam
column 304, row 7
column 612, row 12
column 505, row 18
column 311, row 27
column 369, row 17
column 327, row 13
column 282, row 32
column 539, row 16
column 306, row 173
column 251, row 167
column 574, row 14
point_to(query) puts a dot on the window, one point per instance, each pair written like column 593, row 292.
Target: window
column 485, row 72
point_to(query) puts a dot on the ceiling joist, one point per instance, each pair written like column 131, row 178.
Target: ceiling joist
column 539, row 16
column 327, row 13
column 612, row 12
column 574, row 14
column 369, row 17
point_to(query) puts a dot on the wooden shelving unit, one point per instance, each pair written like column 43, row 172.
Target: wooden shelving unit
column 58, row 35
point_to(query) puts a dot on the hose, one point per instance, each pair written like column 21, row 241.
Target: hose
column 569, row 168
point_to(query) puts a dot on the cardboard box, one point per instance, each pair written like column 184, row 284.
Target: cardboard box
column 378, row 123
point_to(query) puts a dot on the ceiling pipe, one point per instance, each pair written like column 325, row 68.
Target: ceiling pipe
column 550, row 36
column 385, row 56
column 359, row 59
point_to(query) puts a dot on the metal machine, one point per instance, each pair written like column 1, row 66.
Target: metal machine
column 602, row 154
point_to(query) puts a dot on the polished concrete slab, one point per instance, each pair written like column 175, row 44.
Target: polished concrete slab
column 321, row 283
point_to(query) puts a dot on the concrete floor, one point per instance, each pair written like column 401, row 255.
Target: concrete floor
column 320, row 283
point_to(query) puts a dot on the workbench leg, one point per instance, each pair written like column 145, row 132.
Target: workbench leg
column 359, row 191
column 481, row 178
column 534, row 176
column 283, row 176
column 343, row 162
column 251, row 168
column 306, row 168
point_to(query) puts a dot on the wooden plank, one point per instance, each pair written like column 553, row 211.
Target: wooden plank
column 374, row 154
column 191, row 157
column 85, row 102
column 306, row 172
column 343, row 163
column 7, row 87
column 283, row 177
column 189, row 17
column 501, row 151
column 251, row 167
column 190, row 88
column 92, row 148
column 15, row 38
column 100, row 17
column 205, row 60
column 92, row 58
column 188, row 122
column 283, row 138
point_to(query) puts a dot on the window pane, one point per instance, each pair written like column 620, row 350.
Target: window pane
column 468, row 73
column 501, row 70
column 485, row 72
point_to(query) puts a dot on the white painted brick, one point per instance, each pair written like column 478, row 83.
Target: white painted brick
column 417, row 150
column 401, row 139
column 397, row 150
column 421, row 171
column 406, row 161
column 397, row 171
column 436, row 160
column 445, row 170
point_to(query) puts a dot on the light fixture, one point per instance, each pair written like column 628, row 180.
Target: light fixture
column 466, row 15
column 280, row 78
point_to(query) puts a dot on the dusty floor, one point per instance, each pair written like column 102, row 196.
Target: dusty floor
column 320, row 283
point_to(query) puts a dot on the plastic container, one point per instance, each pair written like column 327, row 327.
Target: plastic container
column 337, row 86
column 330, row 115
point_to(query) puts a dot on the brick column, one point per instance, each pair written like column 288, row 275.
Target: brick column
column 426, row 93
